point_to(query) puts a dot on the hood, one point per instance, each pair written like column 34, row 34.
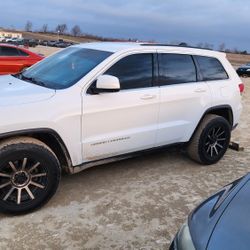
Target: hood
column 233, row 228
column 205, row 217
column 14, row 91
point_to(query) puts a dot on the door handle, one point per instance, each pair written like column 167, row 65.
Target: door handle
column 148, row 97
column 200, row 90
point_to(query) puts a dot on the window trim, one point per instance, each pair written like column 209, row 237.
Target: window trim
column 200, row 71
column 119, row 58
column 175, row 53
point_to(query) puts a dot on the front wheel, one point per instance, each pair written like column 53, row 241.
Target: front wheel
column 29, row 175
column 211, row 140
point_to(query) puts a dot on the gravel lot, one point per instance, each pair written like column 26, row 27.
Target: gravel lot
column 134, row 204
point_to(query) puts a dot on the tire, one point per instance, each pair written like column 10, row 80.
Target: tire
column 210, row 141
column 29, row 175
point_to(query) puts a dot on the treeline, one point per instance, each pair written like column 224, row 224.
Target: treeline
column 222, row 47
column 63, row 29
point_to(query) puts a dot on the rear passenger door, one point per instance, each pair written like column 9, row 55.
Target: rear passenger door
column 213, row 72
column 183, row 98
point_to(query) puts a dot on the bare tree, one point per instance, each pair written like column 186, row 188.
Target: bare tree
column 222, row 47
column 28, row 26
column 45, row 28
column 76, row 30
column 61, row 28
column 208, row 46
column 200, row 45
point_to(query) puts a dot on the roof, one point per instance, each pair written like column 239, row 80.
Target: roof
column 121, row 46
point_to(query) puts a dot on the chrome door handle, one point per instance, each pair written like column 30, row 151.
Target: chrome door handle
column 147, row 97
column 200, row 90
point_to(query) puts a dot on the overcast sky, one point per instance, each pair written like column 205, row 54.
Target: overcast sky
column 190, row 21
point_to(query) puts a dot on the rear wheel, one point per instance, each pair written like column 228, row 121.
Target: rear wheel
column 211, row 140
column 29, row 175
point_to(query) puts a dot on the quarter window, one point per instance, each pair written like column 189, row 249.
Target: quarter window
column 211, row 69
column 22, row 53
column 134, row 71
column 176, row 68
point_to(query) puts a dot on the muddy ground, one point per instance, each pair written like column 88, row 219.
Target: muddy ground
column 134, row 204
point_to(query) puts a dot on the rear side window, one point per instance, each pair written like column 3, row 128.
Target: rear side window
column 8, row 51
column 176, row 68
column 211, row 69
column 135, row 71
column 22, row 53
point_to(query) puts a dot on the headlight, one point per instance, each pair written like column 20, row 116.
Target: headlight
column 184, row 240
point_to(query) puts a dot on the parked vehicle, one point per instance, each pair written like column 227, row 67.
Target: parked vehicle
column 244, row 70
column 220, row 222
column 95, row 103
column 62, row 45
column 52, row 43
column 14, row 59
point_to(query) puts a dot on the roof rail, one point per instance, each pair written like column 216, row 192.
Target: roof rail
column 182, row 45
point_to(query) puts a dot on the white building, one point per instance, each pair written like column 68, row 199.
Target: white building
column 10, row 34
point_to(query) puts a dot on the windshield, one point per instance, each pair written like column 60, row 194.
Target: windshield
column 64, row 68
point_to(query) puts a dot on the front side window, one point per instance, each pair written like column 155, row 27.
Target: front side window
column 134, row 71
column 176, row 68
column 211, row 69
column 8, row 51
column 64, row 68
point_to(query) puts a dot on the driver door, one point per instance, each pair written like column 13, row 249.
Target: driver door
column 126, row 121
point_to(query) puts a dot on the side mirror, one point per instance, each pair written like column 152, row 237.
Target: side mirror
column 107, row 83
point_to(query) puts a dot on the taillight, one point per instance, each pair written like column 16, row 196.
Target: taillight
column 241, row 87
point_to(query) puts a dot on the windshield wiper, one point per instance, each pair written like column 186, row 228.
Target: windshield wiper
column 30, row 79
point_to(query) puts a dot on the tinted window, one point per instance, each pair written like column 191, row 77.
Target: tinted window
column 22, row 53
column 211, row 69
column 8, row 51
column 135, row 71
column 176, row 68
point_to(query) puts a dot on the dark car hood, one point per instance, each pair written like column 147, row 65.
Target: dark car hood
column 244, row 67
column 203, row 220
column 233, row 228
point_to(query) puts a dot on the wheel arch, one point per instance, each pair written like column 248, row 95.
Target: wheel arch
column 51, row 138
column 221, row 110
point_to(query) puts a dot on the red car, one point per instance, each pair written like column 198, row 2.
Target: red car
column 14, row 59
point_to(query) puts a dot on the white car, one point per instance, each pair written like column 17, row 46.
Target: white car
column 95, row 103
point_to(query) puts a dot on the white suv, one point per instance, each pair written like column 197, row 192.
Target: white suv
column 94, row 103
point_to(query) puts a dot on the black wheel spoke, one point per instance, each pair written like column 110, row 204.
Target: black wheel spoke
column 24, row 163
column 12, row 166
column 19, row 195
column 5, row 175
column 37, row 185
column 9, row 193
column 29, row 193
column 5, row 184
column 34, row 167
column 214, row 143
column 215, row 149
